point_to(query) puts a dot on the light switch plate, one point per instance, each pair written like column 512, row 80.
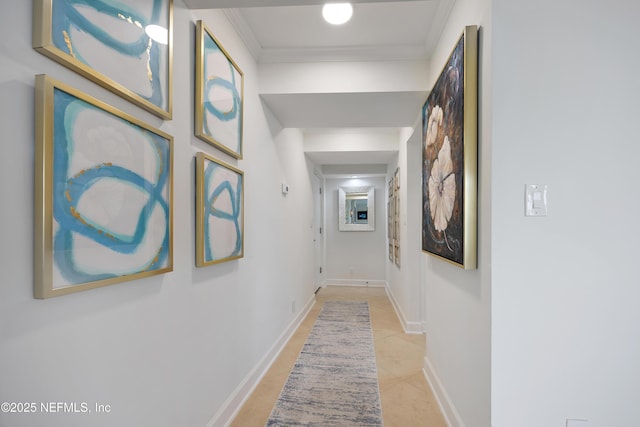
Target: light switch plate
column 535, row 200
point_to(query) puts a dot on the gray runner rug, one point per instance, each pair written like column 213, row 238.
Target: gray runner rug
column 334, row 381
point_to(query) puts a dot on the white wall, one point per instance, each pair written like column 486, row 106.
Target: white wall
column 167, row 350
column 348, row 140
column 355, row 256
column 566, row 341
column 458, row 302
column 404, row 281
column 337, row 77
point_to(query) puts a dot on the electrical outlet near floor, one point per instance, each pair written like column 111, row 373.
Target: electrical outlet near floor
column 577, row 422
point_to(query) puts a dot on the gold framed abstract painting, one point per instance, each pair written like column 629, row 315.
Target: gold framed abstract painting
column 103, row 194
column 219, row 211
column 219, row 95
column 125, row 47
column 449, row 157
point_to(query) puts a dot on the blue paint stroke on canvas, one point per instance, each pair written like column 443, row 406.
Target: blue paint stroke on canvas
column 210, row 209
column 229, row 85
column 66, row 15
column 68, row 191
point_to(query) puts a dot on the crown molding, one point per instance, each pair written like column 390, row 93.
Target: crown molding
column 222, row 4
column 438, row 23
column 244, row 31
column 341, row 54
column 344, row 54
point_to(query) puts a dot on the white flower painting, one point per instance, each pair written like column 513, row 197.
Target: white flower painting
column 449, row 158
column 442, row 188
column 435, row 121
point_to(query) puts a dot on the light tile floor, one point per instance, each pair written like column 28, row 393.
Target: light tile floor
column 406, row 398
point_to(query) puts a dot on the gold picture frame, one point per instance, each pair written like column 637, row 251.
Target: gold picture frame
column 111, row 46
column 103, row 194
column 219, row 211
column 450, row 157
column 218, row 121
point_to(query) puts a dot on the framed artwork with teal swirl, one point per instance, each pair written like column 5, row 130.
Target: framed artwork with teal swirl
column 219, row 211
column 449, row 157
column 219, row 95
column 126, row 47
column 103, row 194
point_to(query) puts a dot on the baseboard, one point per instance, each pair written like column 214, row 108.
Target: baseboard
column 239, row 396
column 355, row 282
column 451, row 416
column 409, row 327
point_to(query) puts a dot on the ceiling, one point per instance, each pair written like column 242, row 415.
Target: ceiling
column 293, row 31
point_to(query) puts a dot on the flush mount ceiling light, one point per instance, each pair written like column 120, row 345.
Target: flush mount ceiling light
column 157, row 33
column 337, row 13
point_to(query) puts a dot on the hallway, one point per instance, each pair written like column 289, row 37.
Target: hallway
column 406, row 397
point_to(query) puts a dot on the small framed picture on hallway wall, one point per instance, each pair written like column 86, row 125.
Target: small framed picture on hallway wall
column 449, row 157
column 219, row 94
column 219, row 211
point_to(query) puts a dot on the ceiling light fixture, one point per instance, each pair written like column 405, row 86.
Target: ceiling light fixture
column 157, row 33
column 337, row 13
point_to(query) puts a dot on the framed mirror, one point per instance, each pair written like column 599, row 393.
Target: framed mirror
column 356, row 209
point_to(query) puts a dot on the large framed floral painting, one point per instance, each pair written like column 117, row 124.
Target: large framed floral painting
column 449, row 157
